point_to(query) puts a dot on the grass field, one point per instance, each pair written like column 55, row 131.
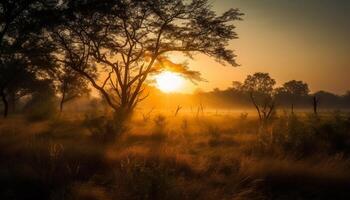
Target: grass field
column 188, row 156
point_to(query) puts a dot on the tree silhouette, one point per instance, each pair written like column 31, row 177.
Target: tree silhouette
column 70, row 85
column 346, row 98
column 128, row 41
column 22, row 50
column 17, row 82
column 315, row 104
column 297, row 88
column 260, row 87
column 293, row 90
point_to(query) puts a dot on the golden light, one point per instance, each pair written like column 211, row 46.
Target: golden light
column 169, row 81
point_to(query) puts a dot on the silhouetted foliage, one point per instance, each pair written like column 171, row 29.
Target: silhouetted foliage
column 292, row 91
column 69, row 84
column 22, row 46
column 295, row 93
column 42, row 104
column 128, row 40
column 298, row 88
column 260, row 88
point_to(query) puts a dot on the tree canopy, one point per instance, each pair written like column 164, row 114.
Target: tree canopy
column 260, row 87
column 128, row 41
column 297, row 88
column 23, row 50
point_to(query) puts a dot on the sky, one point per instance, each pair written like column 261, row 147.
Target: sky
column 290, row 39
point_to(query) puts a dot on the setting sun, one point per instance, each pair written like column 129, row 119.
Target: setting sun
column 169, row 81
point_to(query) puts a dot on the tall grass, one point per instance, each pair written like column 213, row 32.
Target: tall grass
column 176, row 157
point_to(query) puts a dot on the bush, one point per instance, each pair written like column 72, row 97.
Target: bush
column 102, row 128
column 149, row 177
column 42, row 106
column 305, row 136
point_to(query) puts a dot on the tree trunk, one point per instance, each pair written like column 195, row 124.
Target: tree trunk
column 61, row 105
column 124, row 112
column 12, row 102
column 292, row 108
column 5, row 102
column 315, row 104
column 62, row 102
column 63, row 96
column 256, row 106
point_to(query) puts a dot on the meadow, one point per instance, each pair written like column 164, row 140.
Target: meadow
column 162, row 155
column 153, row 100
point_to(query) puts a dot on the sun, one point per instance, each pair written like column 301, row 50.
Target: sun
column 169, row 81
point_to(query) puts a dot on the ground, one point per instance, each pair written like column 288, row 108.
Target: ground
column 187, row 156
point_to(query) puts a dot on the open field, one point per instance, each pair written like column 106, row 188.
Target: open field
column 176, row 157
column 174, row 100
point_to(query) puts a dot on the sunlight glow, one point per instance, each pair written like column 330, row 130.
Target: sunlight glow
column 169, row 81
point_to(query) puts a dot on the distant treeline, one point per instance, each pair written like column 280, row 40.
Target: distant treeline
column 232, row 97
column 258, row 90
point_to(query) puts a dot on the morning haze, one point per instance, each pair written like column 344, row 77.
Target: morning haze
column 126, row 100
column 303, row 40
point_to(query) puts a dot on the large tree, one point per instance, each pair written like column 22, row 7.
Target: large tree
column 128, row 40
column 22, row 46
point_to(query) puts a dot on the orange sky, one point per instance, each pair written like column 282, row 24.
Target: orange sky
column 303, row 40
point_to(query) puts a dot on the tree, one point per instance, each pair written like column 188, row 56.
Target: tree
column 293, row 90
column 260, row 88
column 326, row 99
column 346, row 99
column 42, row 102
column 315, row 104
column 22, row 49
column 297, row 88
column 128, row 41
column 15, row 82
column 236, row 86
column 70, row 85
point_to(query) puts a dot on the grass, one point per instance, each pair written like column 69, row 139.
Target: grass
column 176, row 157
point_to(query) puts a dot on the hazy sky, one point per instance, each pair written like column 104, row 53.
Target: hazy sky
column 291, row 39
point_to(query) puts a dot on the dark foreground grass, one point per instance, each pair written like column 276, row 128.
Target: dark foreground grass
column 183, row 157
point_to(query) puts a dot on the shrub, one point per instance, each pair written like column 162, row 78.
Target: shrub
column 42, row 106
column 102, row 128
column 300, row 136
column 149, row 177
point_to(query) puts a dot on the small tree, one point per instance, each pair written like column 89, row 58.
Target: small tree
column 294, row 90
column 128, row 40
column 70, row 85
column 260, row 88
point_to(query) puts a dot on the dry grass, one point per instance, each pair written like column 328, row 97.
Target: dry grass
column 183, row 157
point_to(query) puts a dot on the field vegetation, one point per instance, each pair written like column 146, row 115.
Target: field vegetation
column 187, row 156
column 93, row 106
